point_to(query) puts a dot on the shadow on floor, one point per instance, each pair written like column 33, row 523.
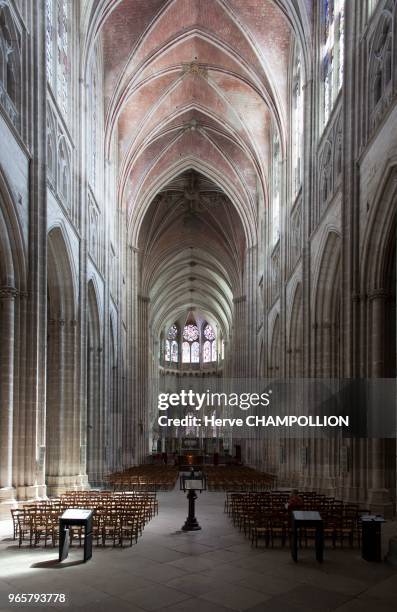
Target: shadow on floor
column 55, row 564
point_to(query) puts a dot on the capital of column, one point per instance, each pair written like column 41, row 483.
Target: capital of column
column 62, row 322
column 323, row 325
column 59, row 322
column 378, row 294
column 8, row 293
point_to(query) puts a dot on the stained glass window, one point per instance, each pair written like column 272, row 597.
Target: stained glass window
column 58, row 50
column 195, row 352
column 213, row 352
column 167, row 350
column 209, row 346
column 190, row 333
column 174, row 351
column 372, row 6
column 49, row 41
column 341, row 45
column 276, row 190
column 209, row 332
column 94, row 133
column 185, row 352
column 172, row 332
column 207, row 351
column 297, row 120
column 62, row 56
column 333, row 17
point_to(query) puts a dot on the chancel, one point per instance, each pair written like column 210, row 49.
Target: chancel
column 198, row 269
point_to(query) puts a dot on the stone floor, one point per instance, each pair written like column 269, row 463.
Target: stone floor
column 213, row 570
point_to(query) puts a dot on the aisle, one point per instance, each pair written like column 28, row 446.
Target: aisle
column 213, row 570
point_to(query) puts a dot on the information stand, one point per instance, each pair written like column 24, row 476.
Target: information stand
column 371, row 542
column 191, row 484
column 302, row 519
column 75, row 517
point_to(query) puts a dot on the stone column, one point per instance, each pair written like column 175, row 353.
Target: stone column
column 100, row 424
column 132, row 359
column 143, row 375
column 326, row 352
column 55, row 421
column 32, row 466
column 377, row 299
column 7, row 318
column 240, row 343
column 379, row 496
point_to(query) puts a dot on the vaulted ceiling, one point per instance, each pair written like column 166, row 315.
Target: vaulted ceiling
column 196, row 85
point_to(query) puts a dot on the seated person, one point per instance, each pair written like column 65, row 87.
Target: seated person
column 295, row 501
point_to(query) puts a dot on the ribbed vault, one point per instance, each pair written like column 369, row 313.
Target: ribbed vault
column 192, row 246
column 195, row 84
column 195, row 92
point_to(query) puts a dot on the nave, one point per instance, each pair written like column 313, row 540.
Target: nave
column 212, row 570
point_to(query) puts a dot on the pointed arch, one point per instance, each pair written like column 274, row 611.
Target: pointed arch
column 64, row 173
column 13, row 253
column 327, row 298
column 62, row 458
column 12, row 320
column 295, row 356
column 113, row 412
column 261, row 358
column 60, row 276
column 378, row 272
column 95, row 417
column 275, row 349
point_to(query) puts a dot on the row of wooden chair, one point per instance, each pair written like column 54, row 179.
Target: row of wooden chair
column 118, row 518
column 144, row 478
column 265, row 515
column 237, row 478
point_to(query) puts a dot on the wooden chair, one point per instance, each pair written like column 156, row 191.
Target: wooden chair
column 129, row 528
column 15, row 512
column 278, row 528
column 110, row 527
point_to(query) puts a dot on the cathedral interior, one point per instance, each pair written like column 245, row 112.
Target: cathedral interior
column 197, row 194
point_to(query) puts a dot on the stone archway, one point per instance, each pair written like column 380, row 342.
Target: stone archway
column 95, row 420
column 295, row 357
column 378, row 331
column 114, row 409
column 274, row 368
column 326, row 357
column 11, row 321
column 62, row 430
